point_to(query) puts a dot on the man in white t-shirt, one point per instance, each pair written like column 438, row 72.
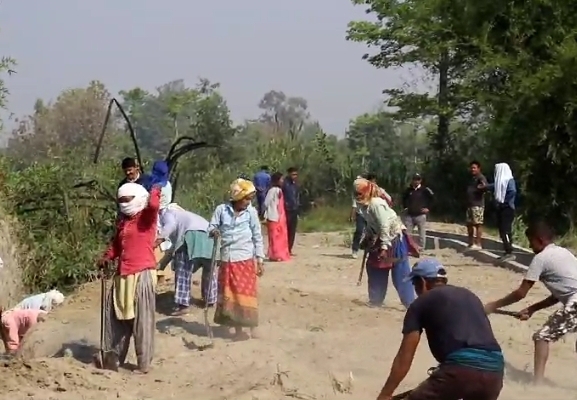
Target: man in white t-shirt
column 556, row 267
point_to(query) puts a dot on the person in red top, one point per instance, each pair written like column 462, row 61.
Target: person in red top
column 131, row 303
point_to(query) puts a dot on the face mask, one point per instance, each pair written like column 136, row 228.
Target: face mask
column 131, row 208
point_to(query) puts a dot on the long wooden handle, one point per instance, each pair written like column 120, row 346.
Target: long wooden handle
column 363, row 262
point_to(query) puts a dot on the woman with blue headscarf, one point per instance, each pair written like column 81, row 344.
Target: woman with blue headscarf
column 159, row 177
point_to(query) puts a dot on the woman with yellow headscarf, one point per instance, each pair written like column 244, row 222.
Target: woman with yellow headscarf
column 387, row 244
column 237, row 224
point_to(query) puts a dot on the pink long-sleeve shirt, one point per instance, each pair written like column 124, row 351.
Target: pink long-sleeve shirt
column 16, row 323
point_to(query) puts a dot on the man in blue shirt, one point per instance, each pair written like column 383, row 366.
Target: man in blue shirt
column 261, row 181
column 132, row 173
column 460, row 337
column 292, row 200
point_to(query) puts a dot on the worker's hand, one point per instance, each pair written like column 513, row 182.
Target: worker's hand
column 102, row 263
column 259, row 267
column 351, row 218
column 41, row 318
column 481, row 186
column 524, row 314
column 384, row 397
column 490, row 308
column 425, row 210
column 383, row 253
column 215, row 233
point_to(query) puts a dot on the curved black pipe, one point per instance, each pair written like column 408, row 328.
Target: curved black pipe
column 130, row 129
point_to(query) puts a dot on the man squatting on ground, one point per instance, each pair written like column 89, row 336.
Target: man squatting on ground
column 476, row 206
column 417, row 201
column 460, row 337
column 556, row 267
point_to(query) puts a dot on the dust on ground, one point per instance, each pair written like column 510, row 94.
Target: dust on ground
column 319, row 341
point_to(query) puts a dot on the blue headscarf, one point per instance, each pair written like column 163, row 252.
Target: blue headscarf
column 159, row 174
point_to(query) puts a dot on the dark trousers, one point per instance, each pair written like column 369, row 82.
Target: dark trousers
column 454, row 382
column 359, row 229
column 505, row 217
column 292, row 219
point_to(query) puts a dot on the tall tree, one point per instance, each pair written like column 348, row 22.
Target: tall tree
column 6, row 67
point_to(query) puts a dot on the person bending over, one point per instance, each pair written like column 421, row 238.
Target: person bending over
column 460, row 337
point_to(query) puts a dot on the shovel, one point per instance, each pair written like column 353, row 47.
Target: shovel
column 104, row 359
column 209, row 333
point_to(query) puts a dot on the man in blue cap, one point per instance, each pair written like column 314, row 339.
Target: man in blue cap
column 471, row 365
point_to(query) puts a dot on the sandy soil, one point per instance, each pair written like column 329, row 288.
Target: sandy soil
column 316, row 335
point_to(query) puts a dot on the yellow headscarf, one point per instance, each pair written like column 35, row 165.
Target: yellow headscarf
column 365, row 190
column 241, row 188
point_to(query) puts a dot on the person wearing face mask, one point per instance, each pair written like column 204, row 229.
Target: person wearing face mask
column 460, row 337
column 237, row 224
column 131, row 302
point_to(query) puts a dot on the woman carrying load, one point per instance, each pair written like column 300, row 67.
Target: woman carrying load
column 131, row 301
column 241, row 259
column 388, row 246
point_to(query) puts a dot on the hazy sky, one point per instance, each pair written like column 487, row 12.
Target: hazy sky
column 249, row 46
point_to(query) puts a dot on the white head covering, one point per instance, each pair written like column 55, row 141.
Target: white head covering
column 503, row 175
column 138, row 203
column 51, row 299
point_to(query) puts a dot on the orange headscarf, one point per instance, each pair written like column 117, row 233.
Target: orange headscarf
column 365, row 190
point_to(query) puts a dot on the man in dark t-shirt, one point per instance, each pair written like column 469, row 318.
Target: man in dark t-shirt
column 475, row 206
column 460, row 337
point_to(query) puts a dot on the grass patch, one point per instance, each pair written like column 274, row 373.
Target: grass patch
column 326, row 219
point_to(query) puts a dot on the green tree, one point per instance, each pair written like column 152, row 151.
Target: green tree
column 6, row 67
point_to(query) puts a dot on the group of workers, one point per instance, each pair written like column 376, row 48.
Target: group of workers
column 459, row 333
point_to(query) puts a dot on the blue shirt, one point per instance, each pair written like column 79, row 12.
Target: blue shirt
column 144, row 180
column 261, row 181
column 291, row 194
column 240, row 235
column 510, row 192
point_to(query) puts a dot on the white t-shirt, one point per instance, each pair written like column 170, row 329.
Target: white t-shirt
column 556, row 267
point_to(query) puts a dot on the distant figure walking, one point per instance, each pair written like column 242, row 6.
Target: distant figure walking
column 475, row 206
column 417, row 201
column 505, row 192
column 276, row 220
column 261, row 180
column 292, row 199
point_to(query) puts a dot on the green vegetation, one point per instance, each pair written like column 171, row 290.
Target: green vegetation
column 506, row 91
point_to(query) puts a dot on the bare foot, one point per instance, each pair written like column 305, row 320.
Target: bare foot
column 240, row 335
column 140, row 371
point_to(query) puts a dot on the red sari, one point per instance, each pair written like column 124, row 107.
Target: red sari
column 278, row 248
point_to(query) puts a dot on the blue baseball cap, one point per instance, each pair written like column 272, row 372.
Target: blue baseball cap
column 428, row 268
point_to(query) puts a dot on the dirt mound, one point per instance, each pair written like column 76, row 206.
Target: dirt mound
column 11, row 289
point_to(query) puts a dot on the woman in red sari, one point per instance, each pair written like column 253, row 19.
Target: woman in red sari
column 278, row 248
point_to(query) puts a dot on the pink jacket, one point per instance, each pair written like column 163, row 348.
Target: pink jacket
column 15, row 323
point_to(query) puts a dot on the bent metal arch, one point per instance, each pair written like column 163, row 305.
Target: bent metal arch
column 179, row 148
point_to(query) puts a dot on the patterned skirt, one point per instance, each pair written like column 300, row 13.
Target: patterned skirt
column 237, row 304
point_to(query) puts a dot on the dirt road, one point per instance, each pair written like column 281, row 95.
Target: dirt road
column 316, row 335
